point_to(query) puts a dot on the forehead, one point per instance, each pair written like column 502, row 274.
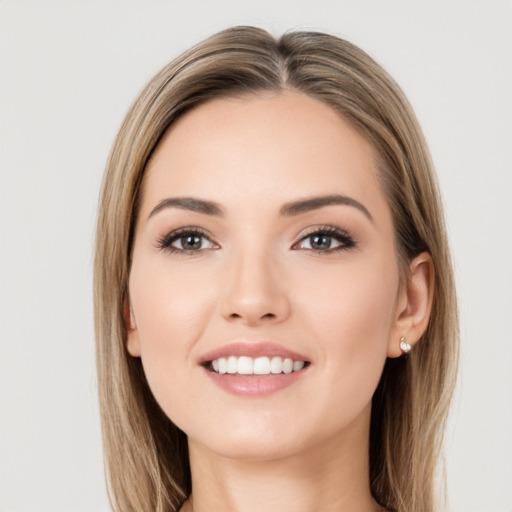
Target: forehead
column 274, row 146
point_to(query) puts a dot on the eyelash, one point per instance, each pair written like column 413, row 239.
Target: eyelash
column 165, row 243
column 345, row 239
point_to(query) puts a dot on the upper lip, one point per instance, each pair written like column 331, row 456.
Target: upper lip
column 251, row 349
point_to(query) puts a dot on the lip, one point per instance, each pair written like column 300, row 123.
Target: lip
column 253, row 385
column 251, row 349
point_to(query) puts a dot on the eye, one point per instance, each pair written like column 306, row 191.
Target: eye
column 326, row 239
column 186, row 240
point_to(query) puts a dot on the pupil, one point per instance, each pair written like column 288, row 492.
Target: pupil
column 191, row 242
column 320, row 242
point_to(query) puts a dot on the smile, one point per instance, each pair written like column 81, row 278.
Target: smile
column 254, row 368
column 245, row 365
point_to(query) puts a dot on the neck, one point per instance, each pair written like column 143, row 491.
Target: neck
column 333, row 475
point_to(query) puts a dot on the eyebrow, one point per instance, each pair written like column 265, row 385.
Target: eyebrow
column 188, row 203
column 287, row 210
column 314, row 203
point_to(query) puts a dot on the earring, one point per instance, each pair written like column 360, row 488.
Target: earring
column 404, row 346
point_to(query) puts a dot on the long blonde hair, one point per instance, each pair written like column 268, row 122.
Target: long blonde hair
column 146, row 456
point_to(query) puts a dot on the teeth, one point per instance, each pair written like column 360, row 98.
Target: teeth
column 276, row 365
column 245, row 365
column 262, row 366
column 298, row 365
column 287, row 366
column 258, row 366
column 232, row 365
column 223, row 365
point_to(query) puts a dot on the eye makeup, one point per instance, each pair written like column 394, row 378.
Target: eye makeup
column 191, row 240
column 325, row 239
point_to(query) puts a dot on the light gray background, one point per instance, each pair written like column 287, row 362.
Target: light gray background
column 70, row 69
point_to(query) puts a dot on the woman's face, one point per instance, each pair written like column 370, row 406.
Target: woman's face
column 263, row 237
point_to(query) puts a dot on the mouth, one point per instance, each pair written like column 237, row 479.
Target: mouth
column 263, row 365
column 254, row 369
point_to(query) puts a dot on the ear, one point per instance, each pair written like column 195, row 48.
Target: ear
column 132, row 342
column 414, row 304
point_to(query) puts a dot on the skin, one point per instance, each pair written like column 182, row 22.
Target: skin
column 256, row 277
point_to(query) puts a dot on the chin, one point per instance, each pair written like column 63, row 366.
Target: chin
column 254, row 450
column 250, row 442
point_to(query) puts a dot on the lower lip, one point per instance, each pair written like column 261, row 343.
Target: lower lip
column 254, row 385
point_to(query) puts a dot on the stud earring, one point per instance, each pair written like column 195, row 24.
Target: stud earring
column 404, row 346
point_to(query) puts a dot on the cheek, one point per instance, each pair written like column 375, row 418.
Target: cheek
column 364, row 311
column 354, row 300
column 171, row 311
column 170, row 305
column 349, row 313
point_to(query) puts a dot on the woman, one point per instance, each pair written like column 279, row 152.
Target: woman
column 276, row 320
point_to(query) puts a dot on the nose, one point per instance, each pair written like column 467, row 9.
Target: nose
column 254, row 291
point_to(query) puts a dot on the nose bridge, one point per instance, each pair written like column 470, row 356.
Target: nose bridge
column 254, row 293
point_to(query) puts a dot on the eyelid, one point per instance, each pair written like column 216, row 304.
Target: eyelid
column 164, row 243
column 346, row 240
